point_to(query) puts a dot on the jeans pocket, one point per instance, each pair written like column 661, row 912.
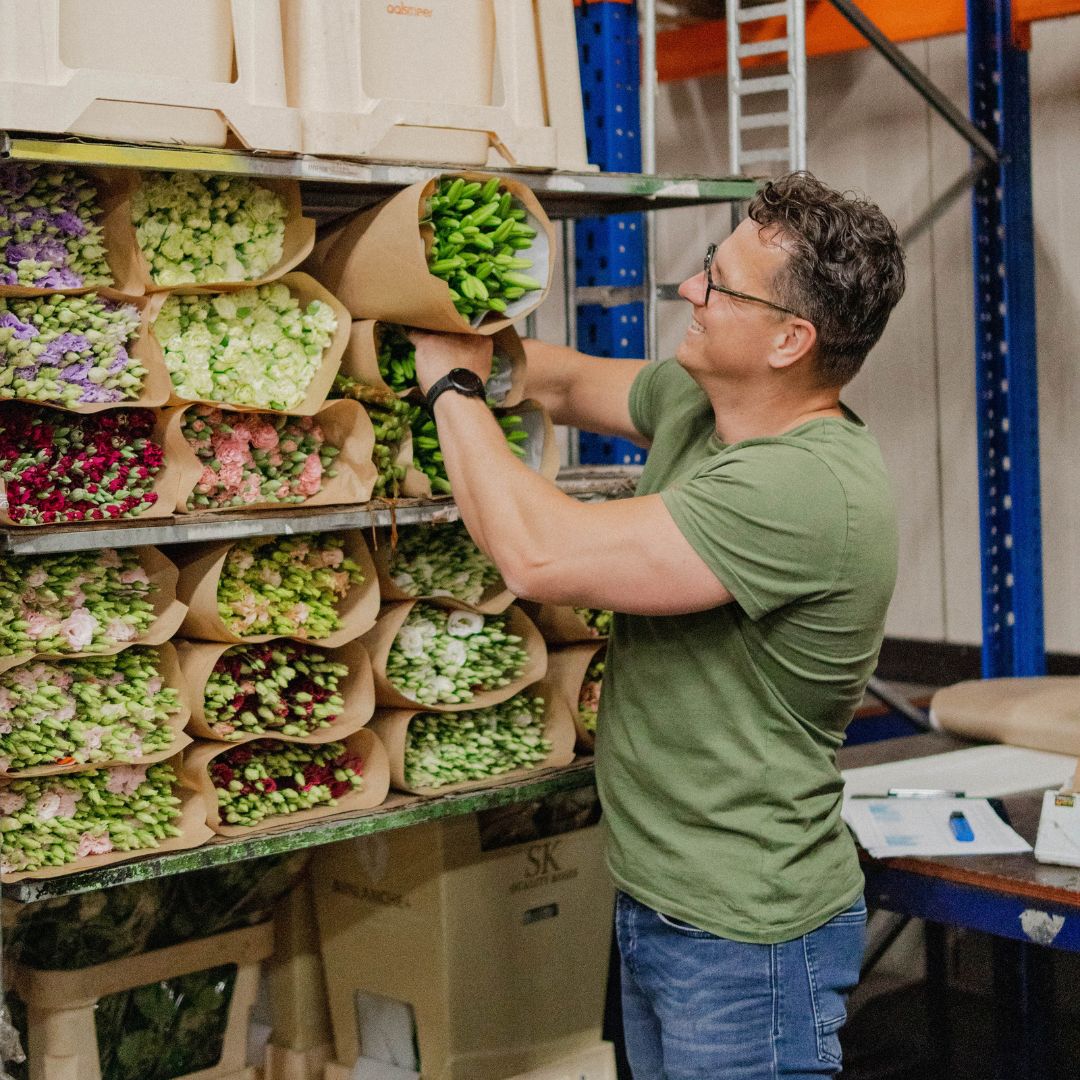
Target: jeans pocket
column 833, row 958
column 684, row 928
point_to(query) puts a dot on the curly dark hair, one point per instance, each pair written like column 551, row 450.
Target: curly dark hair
column 845, row 267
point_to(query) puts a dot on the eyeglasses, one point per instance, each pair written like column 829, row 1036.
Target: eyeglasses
column 711, row 287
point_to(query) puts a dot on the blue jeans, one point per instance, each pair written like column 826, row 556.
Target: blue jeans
column 701, row 1007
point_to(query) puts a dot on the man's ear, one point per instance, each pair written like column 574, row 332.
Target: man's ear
column 794, row 339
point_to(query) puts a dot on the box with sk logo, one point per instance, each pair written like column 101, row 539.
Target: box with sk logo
column 472, row 948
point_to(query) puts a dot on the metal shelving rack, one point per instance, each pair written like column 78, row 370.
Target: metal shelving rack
column 330, row 189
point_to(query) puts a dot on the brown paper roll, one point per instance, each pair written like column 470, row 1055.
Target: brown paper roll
column 167, row 484
column 197, row 660
column 364, row 743
column 168, row 613
column 392, row 726
column 296, row 245
column 198, row 583
column 376, row 263
column 494, row 600
column 114, row 198
column 567, row 668
column 346, row 426
column 191, row 823
column 1039, row 713
column 169, row 668
column 379, row 640
column 305, row 289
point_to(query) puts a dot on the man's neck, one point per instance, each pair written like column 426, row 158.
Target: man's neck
column 750, row 414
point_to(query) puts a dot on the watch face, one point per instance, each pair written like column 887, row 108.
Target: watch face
column 467, row 381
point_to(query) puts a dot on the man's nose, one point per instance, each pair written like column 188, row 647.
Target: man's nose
column 693, row 289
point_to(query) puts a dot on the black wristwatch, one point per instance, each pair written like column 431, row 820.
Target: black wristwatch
column 462, row 380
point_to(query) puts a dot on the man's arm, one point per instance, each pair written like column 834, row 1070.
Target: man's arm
column 588, row 392
column 628, row 554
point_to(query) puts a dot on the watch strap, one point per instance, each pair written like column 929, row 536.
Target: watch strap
column 465, row 382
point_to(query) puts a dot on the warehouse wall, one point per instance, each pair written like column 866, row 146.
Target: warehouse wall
column 868, row 130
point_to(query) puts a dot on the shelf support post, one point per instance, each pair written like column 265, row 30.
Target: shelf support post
column 1005, row 352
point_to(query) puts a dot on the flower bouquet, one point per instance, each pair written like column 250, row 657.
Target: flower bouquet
column 290, row 690
column 58, row 226
column 196, row 232
column 380, row 355
column 83, row 353
column 85, row 603
column 51, row 825
column 391, row 420
column 447, row 253
column 320, row 588
column 440, row 561
column 59, row 716
column 255, row 460
column 273, row 347
column 565, row 625
column 433, row 752
column 579, row 672
column 448, row 658
column 60, row 468
column 529, row 434
column 267, row 783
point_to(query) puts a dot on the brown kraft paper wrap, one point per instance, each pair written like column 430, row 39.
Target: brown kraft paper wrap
column 567, row 668
column 168, row 613
column 494, row 600
column 169, row 668
column 541, row 450
column 197, row 660
column 560, row 625
column 1039, row 713
column 380, row 639
column 392, row 727
column 114, row 198
column 156, row 386
column 304, row 289
column 193, row 832
column 377, row 263
column 346, row 426
column 363, row 743
column 168, row 483
column 361, row 361
column 198, row 585
column 296, row 245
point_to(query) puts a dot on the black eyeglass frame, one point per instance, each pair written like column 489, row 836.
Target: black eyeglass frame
column 711, row 287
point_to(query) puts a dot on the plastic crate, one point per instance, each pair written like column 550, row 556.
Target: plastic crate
column 411, row 82
column 147, row 71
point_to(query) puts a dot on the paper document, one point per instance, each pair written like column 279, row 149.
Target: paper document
column 1059, row 829
column 887, row 828
column 986, row 771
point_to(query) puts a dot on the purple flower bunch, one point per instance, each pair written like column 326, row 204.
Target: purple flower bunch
column 50, row 231
column 68, row 350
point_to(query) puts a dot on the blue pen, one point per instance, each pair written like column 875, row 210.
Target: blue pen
column 961, row 827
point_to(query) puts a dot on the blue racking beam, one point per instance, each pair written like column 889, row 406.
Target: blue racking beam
column 610, row 251
column 1006, row 376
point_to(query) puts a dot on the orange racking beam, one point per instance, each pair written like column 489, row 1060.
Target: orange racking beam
column 700, row 49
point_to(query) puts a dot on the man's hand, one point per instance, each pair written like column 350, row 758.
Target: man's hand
column 436, row 354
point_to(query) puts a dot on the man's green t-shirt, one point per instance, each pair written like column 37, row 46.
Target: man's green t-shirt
column 718, row 730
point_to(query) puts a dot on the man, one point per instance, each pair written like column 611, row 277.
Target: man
column 750, row 576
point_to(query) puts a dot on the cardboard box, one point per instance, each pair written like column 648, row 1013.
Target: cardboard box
column 469, row 948
column 596, row 1063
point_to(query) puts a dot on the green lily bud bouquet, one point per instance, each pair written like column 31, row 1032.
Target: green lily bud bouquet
column 442, row 560
column 258, row 348
column 287, row 587
column 479, row 744
column 596, row 620
column 448, row 657
column 196, row 228
column 53, row 821
column 71, row 713
column 75, row 602
column 589, row 698
column 428, row 455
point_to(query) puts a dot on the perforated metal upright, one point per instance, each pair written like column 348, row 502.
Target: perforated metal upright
column 1006, row 377
column 610, row 251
